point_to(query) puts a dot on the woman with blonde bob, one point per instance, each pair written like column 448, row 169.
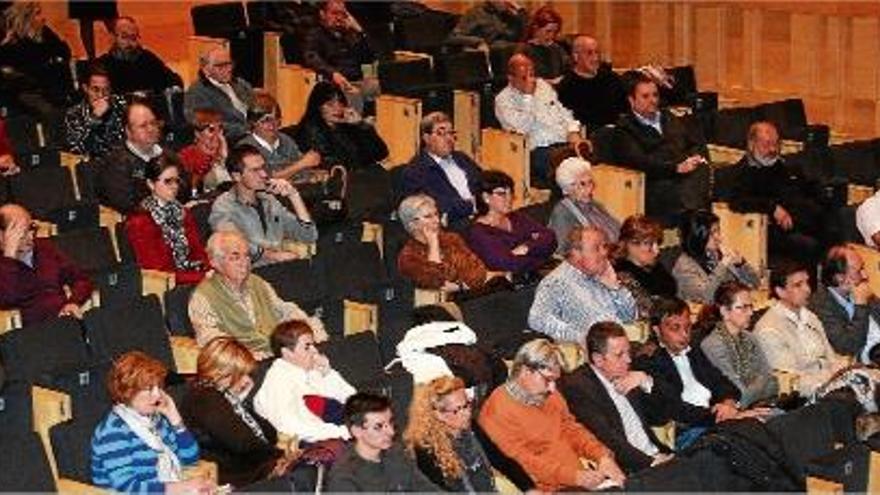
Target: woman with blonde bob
column 440, row 438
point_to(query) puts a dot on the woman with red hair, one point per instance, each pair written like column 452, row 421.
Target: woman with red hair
column 550, row 58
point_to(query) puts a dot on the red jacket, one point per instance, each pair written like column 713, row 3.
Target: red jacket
column 151, row 251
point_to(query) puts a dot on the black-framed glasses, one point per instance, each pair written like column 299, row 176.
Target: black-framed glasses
column 171, row 181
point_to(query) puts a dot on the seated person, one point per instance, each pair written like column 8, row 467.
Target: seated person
column 733, row 349
column 233, row 301
column 529, row 420
column 434, row 258
column 698, row 395
column 582, row 290
column 846, row 306
column 131, row 66
column 447, row 175
column 230, row 434
column 162, row 232
column 94, row 125
column 120, row 180
column 591, row 89
column 142, row 445
column 374, row 462
column 507, row 240
column 619, row 405
column 205, row 158
column 543, row 48
column 252, row 208
column 283, row 158
column 868, row 220
column 489, row 23
column 218, row 89
column 791, row 336
column 35, row 277
column 705, row 262
column 575, row 180
column 302, row 396
column 636, row 262
column 439, row 437
column 528, row 105
column 7, row 160
column 334, row 129
column 765, row 184
column 673, row 158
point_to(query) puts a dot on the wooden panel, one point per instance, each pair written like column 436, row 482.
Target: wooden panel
column 50, row 407
column 397, row 123
column 708, row 44
column 10, row 319
column 656, row 38
column 625, row 23
column 746, row 233
column 821, row 486
column 620, row 190
column 507, row 151
column 186, row 353
column 294, row 85
column 871, row 258
column 874, row 473
column 467, row 122
column 862, row 54
column 273, row 58
column 360, row 317
column 195, row 46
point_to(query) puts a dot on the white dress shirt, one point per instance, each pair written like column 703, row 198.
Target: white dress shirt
column 632, row 424
column 455, row 175
column 540, row 116
column 868, row 218
column 692, row 392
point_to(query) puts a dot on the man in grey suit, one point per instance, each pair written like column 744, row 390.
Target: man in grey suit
column 218, row 89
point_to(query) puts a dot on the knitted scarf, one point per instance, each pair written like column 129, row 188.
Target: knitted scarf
column 169, row 218
column 742, row 352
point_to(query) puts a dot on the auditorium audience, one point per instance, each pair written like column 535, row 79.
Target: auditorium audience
column 440, row 438
column 550, row 59
column 590, row 88
column 766, row 184
column 432, row 257
column 219, row 89
column 529, row 420
column 575, row 180
column 334, row 129
column 618, row 404
column 142, row 445
column 35, row 277
column 490, row 23
column 673, row 158
column 229, row 433
column 302, row 395
column 233, row 301
column 846, row 306
column 449, row 176
column 252, row 208
column 636, row 262
column 733, row 349
column 205, row 158
column 705, row 261
column 582, row 290
column 791, row 336
column 507, row 240
column 162, row 231
column 131, row 66
column 374, row 462
column 97, row 123
column 528, row 105
column 7, row 160
column 121, row 183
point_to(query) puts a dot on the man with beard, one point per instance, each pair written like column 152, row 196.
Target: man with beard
column 131, row 66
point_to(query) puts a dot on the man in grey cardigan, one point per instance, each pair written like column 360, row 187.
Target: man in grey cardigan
column 217, row 89
column 252, row 208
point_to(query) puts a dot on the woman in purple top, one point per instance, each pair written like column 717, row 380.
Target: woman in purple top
column 507, row 240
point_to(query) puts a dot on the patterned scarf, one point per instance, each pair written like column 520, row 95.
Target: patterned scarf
column 244, row 415
column 742, row 351
column 520, row 395
column 169, row 218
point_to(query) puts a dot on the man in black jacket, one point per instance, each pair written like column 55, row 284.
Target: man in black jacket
column 616, row 403
column 672, row 155
column 590, row 89
column 131, row 66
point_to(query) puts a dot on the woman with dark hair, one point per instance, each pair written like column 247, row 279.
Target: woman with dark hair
column 636, row 262
column 504, row 239
column 705, row 262
column 162, row 232
column 550, row 58
column 336, row 131
column 733, row 349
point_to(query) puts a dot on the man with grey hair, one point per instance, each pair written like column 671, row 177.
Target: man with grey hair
column 447, row 175
column 529, row 421
column 217, row 89
column 575, row 180
column 591, row 89
column 237, row 303
column 582, row 290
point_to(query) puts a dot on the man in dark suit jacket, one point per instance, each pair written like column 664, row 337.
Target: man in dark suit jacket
column 447, row 175
column 617, row 404
column 673, row 156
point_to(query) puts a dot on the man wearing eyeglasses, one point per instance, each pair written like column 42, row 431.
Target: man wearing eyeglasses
column 131, row 66
column 450, row 177
column 217, row 88
column 94, row 125
column 34, row 273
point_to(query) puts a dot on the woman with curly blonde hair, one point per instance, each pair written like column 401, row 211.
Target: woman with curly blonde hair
column 440, row 438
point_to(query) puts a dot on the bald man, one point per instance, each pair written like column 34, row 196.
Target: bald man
column 131, row 66
column 529, row 105
column 594, row 93
column 33, row 273
column 219, row 90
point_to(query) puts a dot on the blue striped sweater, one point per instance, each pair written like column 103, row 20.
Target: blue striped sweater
column 122, row 462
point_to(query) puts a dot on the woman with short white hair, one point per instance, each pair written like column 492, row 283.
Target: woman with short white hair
column 575, row 179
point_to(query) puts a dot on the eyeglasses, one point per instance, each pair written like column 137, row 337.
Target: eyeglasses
column 212, row 127
column 502, row 192
column 378, row 427
column 467, row 406
column 548, row 375
column 743, row 307
column 269, row 118
column 646, row 243
column 430, row 214
column 171, row 181
column 223, row 65
column 445, row 132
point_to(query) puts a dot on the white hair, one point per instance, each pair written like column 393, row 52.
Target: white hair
column 569, row 170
